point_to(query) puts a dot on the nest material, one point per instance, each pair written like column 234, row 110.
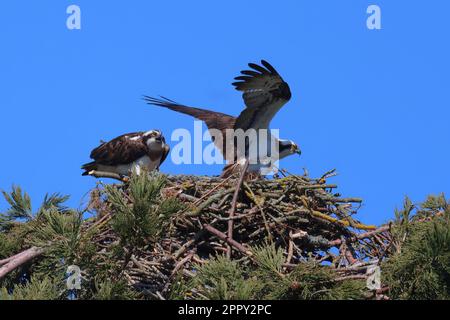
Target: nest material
column 302, row 216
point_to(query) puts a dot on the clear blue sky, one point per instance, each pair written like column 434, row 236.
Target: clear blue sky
column 373, row 104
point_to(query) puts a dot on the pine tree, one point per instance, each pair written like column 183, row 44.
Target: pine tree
column 160, row 237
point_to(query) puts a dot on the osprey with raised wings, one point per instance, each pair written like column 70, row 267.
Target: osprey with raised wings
column 131, row 151
column 264, row 93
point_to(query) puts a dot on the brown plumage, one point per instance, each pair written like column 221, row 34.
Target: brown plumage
column 264, row 93
column 213, row 120
column 127, row 149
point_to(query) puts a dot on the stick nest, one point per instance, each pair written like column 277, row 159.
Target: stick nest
column 303, row 217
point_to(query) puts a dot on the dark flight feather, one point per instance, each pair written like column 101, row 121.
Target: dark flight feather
column 264, row 93
column 213, row 120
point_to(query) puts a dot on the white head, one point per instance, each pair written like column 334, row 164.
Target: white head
column 287, row 147
column 154, row 139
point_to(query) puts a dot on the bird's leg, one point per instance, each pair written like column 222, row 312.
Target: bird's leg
column 124, row 178
column 252, row 176
column 105, row 174
column 233, row 205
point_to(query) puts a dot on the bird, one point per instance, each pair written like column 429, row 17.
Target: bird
column 131, row 151
column 264, row 93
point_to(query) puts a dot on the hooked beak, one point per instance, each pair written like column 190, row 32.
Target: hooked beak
column 296, row 150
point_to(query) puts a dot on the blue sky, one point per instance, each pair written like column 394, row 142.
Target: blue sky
column 373, row 104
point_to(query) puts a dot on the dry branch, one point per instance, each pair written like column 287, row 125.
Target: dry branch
column 18, row 260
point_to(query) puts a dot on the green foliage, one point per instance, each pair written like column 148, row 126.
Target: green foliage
column 18, row 221
column 140, row 213
column 113, row 290
column 421, row 267
column 53, row 227
column 310, row 281
column 44, row 289
column 218, row 279
column 435, row 203
column 139, row 216
column 221, row 278
column 54, row 200
column 8, row 245
column 269, row 259
column 20, row 205
column 60, row 233
column 402, row 219
column 61, row 230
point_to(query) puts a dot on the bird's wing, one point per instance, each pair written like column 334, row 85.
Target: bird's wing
column 212, row 119
column 121, row 150
column 166, row 151
column 264, row 93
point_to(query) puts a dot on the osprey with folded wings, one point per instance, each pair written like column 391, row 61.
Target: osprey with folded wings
column 128, row 152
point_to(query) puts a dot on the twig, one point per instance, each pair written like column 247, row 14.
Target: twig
column 223, row 236
column 351, row 277
column 360, row 236
column 208, row 202
column 233, row 205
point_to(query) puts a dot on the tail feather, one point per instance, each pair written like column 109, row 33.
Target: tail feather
column 213, row 120
column 201, row 114
column 88, row 167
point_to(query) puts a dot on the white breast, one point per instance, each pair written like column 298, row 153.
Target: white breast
column 264, row 158
column 125, row 169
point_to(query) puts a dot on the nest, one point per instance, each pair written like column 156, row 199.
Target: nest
column 302, row 216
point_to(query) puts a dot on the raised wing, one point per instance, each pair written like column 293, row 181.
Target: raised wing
column 212, row 119
column 264, row 93
column 121, row 150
